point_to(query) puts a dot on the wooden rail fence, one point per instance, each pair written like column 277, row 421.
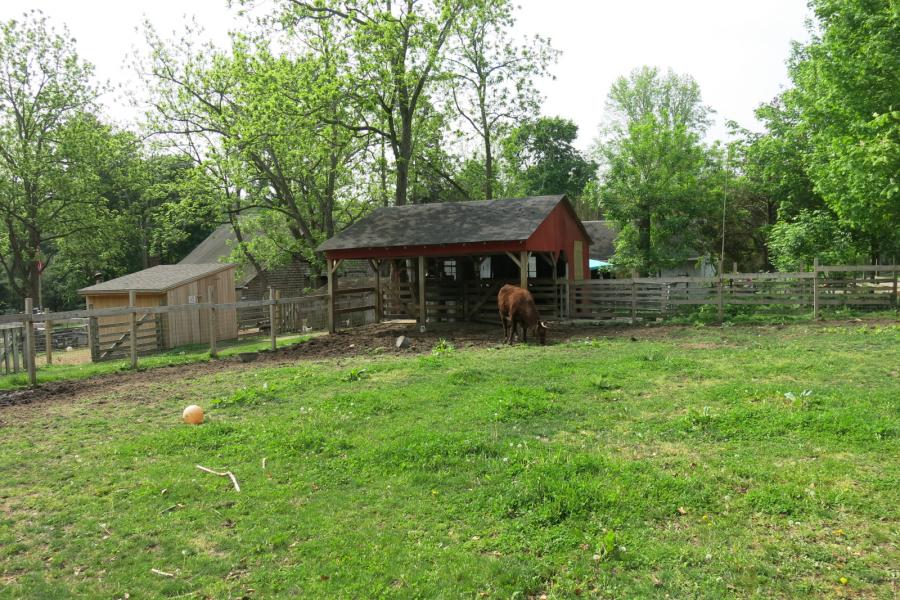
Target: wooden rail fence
column 141, row 330
column 855, row 286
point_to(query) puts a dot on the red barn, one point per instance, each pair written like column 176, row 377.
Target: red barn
column 522, row 239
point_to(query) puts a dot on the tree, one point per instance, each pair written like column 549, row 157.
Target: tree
column 50, row 150
column 847, row 96
column 656, row 168
column 541, row 159
column 398, row 51
column 812, row 234
column 493, row 77
column 264, row 131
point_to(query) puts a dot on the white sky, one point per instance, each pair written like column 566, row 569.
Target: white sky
column 736, row 49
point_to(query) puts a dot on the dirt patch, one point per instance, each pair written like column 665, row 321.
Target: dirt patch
column 371, row 340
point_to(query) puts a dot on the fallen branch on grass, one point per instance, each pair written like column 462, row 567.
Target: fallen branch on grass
column 163, row 573
column 228, row 474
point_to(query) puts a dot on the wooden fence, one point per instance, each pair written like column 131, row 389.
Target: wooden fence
column 857, row 286
column 141, row 329
column 448, row 300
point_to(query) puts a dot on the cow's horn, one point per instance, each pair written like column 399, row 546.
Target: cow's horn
column 544, row 325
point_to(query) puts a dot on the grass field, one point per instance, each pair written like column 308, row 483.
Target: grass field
column 708, row 463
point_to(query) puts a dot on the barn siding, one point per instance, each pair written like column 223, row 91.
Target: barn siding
column 191, row 327
column 559, row 231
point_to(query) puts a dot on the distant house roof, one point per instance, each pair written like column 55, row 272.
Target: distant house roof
column 603, row 235
column 507, row 220
column 156, row 279
column 216, row 248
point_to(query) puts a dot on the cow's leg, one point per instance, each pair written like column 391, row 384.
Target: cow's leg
column 505, row 326
column 524, row 333
column 512, row 331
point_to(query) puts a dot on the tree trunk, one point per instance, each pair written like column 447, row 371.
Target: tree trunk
column 403, row 160
column 643, row 226
column 488, row 167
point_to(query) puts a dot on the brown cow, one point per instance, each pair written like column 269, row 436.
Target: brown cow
column 516, row 307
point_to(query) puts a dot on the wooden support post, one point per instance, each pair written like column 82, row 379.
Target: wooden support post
column 48, row 340
column 273, row 327
column 556, row 295
column 29, row 343
column 894, row 297
column 422, row 308
column 330, row 265
column 213, row 322
column 132, row 328
column 633, row 296
column 721, row 285
column 523, row 269
column 379, row 301
column 16, row 348
column 815, row 289
column 93, row 336
column 734, row 267
column 6, row 348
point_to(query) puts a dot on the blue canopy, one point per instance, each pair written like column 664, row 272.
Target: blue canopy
column 598, row 264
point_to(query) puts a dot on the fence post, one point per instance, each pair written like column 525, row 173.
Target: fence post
column 721, row 291
column 132, row 327
column 379, row 308
column 213, row 324
column 894, row 297
column 633, row 296
column 815, row 289
column 48, row 339
column 6, row 348
column 423, row 305
column 29, row 343
column 93, row 336
column 16, row 348
column 332, row 287
column 272, row 326
column 159, row 324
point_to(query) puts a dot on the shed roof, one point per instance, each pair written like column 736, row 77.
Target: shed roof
column 161, row 278
column 216, row 248
column 603, row 238
column 508, row 220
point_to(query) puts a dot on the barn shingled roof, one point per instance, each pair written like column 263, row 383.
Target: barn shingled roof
column 512, row 219
column 156, row 279
column 603, row 238
column 217, row 247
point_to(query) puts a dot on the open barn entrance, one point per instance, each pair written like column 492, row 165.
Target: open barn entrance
column 464, row 288
column 446, row 262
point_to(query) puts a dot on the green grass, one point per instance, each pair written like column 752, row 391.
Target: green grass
column 717, row 462
column 181, row 355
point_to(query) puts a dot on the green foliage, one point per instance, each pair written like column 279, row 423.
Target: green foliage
column 657, row 170
column 848, row 103
column 492, row 79
column 443, row 347
column 540, row 159
column 51, row 148
column 812, row 234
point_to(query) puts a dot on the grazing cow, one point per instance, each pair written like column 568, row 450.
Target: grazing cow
column 516, row 307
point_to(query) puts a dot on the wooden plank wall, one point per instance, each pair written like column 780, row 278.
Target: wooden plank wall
column 191, row 327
